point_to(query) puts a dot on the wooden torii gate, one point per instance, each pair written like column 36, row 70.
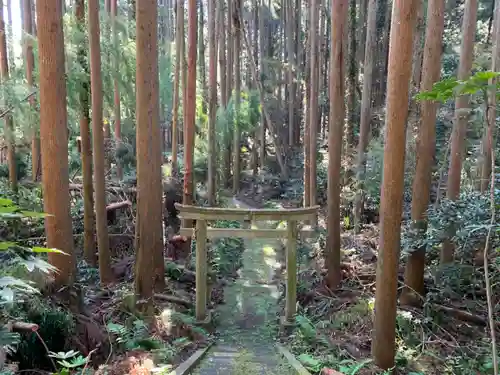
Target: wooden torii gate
column 202, row 232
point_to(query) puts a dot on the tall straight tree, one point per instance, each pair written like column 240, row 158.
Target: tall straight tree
column 116, row 96
column 461, row 116
column 313, row 99
column 179, row 36
column 337, row 113
column 213, row 13
column 492, row 106
column 391, row 207
column 229, row 89
column 89, row 245
column 291, row 67
column 149, row 265
column 9, row 125
column 366, row 110
column 105, row 272
column 190, row 107
column 262, row 50
column 30, row 65
column 53, row 139
column 237, row 96
column 426, row 147
column 307, row 122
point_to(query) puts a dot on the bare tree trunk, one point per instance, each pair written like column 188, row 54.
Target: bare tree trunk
column 383, row 55
column 313, row 95
column 89, row 243
column 307, row 122
column 461, row 116
column 298, row 71
column 150, row 263
column 237, row 97
column 352, row 76
column 492, row 110
column 414, row 274
column 179, row 10
column 213, row 18
column 116, row 97
column 363, row 29
column 9, row 125
column 391, row 208
column 54, row 141
column 291, row 67
column 366, row 111
column 188, row 197
column 337, row 113
column 30, row 65
column 105, row 271
column 229, row 90
column 201, row 58
column 10, row 36
column 263, row 73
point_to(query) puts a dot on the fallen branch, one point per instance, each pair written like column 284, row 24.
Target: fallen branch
column 173, row 299
column 117, row 205
column 465, row 315
column 23, row 327
column 116, row 189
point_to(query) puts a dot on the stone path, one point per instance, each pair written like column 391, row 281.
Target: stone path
column 248, row 321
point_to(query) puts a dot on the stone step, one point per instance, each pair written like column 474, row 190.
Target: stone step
column 237, row 361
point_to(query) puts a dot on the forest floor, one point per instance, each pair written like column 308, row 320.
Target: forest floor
column 448, row 335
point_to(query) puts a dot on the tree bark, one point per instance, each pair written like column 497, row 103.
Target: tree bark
column 201, row 59
column 179, row 11
column 291, row 67
column 262, row 42
column 116, row 97
column 229, row 92
column 213, row 13
column 313, row 97
column 391, row 208
column 150, row 264
column 307, row 122
column 190, row 108
column 105, row 271
column 366, row 110
column 30, row 65
column 492, row 110
column 364, row 15
column 9, row 124
column 89, row 243
column 426, row 147
column 462, row 109
column 352, row 76
column 54, row 141
column 237, row 96
column 337, row 113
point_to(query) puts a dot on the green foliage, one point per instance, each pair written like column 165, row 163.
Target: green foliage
column 56, row 326
column 21, row 167
column 451, row 87
column 69, row 361
column 16, row 255
column 469, row 216
column 136, row 336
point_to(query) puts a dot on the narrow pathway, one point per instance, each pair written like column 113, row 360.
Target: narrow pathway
column 248, row 321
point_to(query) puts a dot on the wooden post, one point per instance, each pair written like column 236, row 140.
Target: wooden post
column 291, row 271
column 201, row 270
